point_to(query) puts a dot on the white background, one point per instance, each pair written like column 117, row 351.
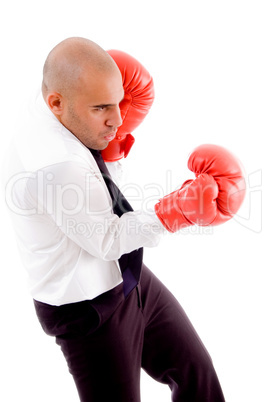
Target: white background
column 208, row 60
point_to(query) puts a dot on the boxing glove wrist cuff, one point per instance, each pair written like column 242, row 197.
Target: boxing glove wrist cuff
column 170, row 214
column 118, row 148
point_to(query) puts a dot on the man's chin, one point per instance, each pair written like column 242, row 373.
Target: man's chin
column 99, row 147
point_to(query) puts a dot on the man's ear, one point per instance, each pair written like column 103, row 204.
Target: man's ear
column 55, row 103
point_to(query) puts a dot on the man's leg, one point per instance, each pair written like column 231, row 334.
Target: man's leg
column 103, row 350
column 173, row 353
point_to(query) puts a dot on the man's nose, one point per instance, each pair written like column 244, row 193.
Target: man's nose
column 115, row 118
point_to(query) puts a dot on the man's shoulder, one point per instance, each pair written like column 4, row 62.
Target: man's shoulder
column 41, row 140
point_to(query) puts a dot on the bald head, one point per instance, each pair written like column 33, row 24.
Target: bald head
column 69, row 61
column 82, row 86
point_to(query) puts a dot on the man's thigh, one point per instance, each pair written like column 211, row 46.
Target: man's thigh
column 106, row 363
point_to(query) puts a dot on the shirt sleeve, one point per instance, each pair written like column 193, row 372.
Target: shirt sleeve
column 78, row 201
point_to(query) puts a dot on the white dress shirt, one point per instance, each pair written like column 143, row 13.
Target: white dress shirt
column 68, row 236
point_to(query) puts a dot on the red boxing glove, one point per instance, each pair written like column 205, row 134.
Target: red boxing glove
column 138, row 98
column 212, row 198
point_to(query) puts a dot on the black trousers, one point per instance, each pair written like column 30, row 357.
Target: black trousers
column 106, row 341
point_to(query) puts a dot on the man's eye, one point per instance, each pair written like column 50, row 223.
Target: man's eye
column 100, row 108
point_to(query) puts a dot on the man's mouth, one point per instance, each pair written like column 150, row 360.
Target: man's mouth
column 110, row 136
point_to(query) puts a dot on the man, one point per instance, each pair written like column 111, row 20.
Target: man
column 82, row 244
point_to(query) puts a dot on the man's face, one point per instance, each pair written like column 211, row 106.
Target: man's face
column 92, row 114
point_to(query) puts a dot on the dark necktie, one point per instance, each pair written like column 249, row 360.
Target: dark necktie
column 130, row 263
